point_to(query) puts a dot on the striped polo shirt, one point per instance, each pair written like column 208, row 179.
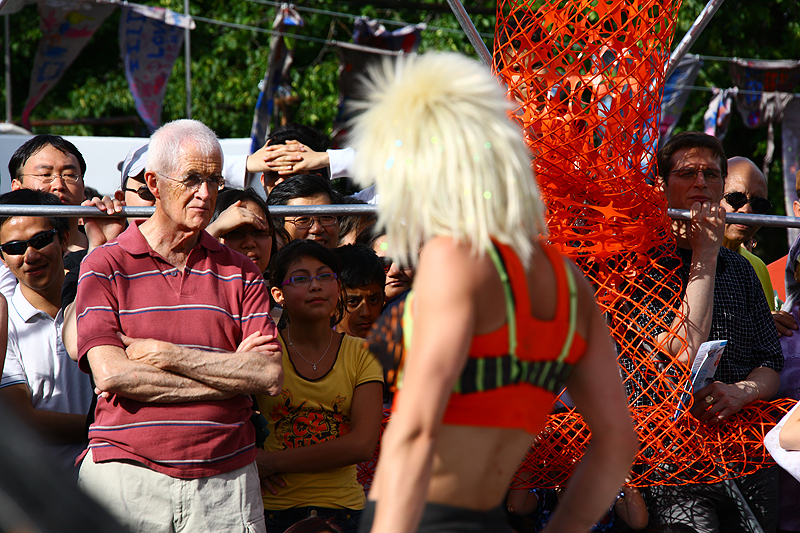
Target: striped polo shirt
column 216, row 301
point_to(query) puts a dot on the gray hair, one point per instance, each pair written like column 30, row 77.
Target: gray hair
column 168, row 141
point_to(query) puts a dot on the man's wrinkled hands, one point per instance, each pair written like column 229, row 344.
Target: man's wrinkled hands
column 256, row 342
column 159, row 354
column 718, row 401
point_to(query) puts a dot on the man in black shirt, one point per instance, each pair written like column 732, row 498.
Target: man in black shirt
column 721, row 299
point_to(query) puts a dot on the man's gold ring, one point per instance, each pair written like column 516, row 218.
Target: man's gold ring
column 709, row 399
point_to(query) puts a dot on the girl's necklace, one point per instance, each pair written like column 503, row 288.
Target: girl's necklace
column 313, row 365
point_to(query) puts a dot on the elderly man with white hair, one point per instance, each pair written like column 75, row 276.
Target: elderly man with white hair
column 175, row 329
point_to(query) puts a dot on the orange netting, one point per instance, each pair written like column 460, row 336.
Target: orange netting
column 588, row 76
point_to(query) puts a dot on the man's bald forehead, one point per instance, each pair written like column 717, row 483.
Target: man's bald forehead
column 743, row 168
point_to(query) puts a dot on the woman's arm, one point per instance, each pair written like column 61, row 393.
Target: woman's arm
column 446, row 290
column 789, row 437
column 366, row 415
column 596, row 387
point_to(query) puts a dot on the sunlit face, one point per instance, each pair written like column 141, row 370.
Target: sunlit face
column 681, row 193
column 39, row 270
column 248, row 240
column 363, row 306
column 315, row 300
column 187, row 210
column 51, row 160
column 326, row 235
column 745, row 179
column 398, row 277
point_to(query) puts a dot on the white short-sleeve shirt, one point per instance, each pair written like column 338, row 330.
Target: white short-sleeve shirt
column 37, row 358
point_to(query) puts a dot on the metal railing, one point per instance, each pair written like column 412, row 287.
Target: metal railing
column 776, row 221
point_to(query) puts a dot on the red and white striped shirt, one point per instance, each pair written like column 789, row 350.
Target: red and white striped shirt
column 216, row 301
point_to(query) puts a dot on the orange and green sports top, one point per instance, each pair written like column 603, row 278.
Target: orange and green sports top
column 514, row 373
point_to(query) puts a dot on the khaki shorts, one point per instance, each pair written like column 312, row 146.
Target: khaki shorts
column 150, row 502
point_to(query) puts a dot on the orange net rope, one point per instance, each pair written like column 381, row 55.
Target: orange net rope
column 587, row 76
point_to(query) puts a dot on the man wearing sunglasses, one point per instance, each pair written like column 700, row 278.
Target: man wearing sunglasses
column 39, row 379
column 722, row 299
column 746, row 192
column 175, row 329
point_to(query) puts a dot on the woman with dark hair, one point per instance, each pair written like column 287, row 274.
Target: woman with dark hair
column 328, row 415
column 241, row 222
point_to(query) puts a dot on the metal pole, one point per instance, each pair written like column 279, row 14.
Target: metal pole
column 187, row 48
column 776, row 221
column 7, row 25
column 691, row 36
column 471, row 31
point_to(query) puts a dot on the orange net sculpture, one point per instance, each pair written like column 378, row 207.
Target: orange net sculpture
column 587, row 76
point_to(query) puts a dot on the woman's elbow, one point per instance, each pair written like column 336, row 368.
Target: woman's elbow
column 787, row 438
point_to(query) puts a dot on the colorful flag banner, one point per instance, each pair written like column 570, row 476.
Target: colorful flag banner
column 790, row 141
column 275, row 78
column 150, row 40
column 675, row 95
column 66, row 28
column 762, row 77
column 717, row 117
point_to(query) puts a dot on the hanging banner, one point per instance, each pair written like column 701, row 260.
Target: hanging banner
column 675, row 95
column 276, row 78
column 150, row 40
column 790, row 140
column 66, row 28
column 717, row 117
column 372, row 33
column 762, row 76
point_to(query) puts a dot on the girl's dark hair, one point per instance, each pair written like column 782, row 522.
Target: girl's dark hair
column 369, row 235
column 295, row 250
column 357, row 223
column 228, row 197
column 360, row 266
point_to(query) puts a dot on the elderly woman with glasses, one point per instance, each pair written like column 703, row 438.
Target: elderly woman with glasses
column 454, row 178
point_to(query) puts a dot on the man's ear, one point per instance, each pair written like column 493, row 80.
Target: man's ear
column 796, row 208
column 661, row 184
column 150, row 181
column 16, row 184
column 64, row 237
column 119, row 195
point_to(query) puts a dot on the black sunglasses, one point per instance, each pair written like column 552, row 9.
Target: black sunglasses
column 143, row 192
column 38, row 241
column 737, row 200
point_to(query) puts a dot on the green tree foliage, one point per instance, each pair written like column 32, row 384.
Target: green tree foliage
column 227, row 64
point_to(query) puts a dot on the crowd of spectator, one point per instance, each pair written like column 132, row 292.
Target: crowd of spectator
column 204, row 369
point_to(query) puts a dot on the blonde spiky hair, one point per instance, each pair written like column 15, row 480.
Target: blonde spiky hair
column 435, row 137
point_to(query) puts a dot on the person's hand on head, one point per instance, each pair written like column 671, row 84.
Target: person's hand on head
column 287, row 159
column 233, row 217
